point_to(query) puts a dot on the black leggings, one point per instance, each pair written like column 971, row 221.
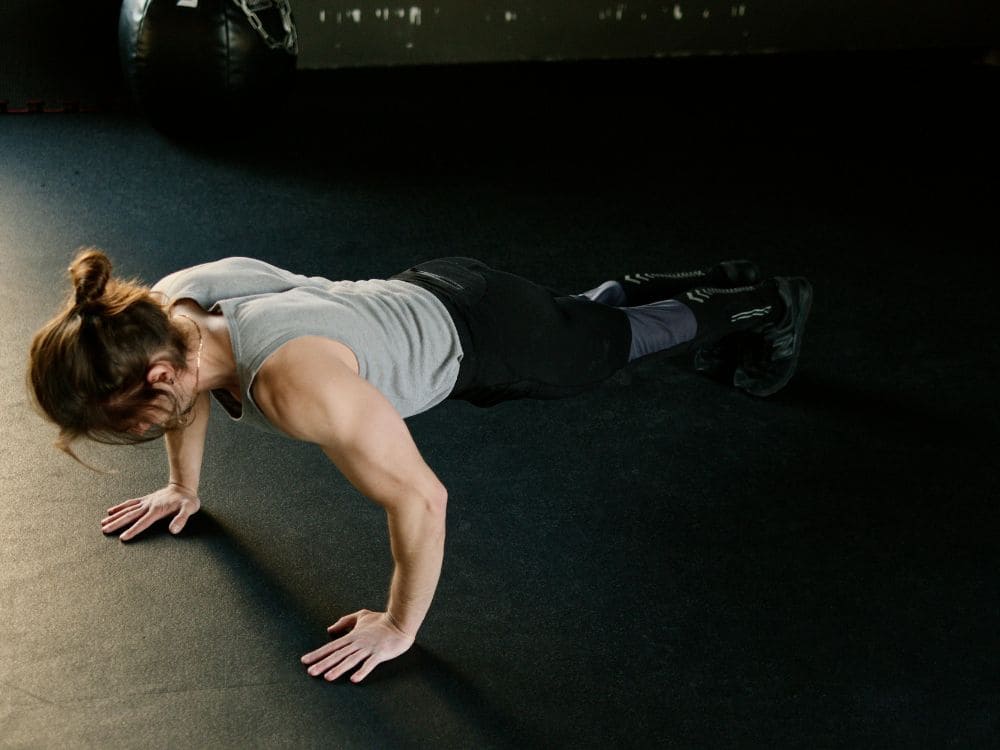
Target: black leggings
column 522, row 340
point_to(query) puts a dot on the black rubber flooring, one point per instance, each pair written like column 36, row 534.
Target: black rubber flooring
column 661, row 562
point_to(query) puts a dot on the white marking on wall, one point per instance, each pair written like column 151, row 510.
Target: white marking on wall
column 414, row 15
column 706, row 13
column 678, row 12
column 510, row 16
column 322, row 16
column 739, row 10
column 618, row 12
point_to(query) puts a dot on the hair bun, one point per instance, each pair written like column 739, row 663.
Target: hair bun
column 90, row 272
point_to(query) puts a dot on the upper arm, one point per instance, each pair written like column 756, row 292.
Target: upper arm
column 308, row 391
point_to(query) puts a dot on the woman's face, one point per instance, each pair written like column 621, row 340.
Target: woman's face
column 170, row 408
column 154, row 415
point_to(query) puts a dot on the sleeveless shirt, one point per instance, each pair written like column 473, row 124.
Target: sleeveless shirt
column 404, row 339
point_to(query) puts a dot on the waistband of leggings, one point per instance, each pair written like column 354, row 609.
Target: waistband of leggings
column 466, row 370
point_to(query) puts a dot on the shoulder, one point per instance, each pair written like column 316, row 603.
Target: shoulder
column 228, row 278
column 306, row 354
column 310, row 383
column 231, row 264
column 197, row 276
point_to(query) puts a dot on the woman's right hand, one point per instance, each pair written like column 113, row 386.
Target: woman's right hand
column 142, row 512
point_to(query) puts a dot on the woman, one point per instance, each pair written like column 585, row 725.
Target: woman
column 342, row 364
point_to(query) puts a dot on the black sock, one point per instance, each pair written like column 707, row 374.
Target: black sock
column 643, row 288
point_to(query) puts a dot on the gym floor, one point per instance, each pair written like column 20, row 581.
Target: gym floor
column 663, row 561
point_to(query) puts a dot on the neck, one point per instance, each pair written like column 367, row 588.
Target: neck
column 216, row 368
column 201, row 344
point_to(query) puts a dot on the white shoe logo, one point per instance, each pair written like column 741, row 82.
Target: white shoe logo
column 187, row 3
column 759, row 312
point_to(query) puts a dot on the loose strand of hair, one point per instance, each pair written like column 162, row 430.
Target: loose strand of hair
column 63, row 443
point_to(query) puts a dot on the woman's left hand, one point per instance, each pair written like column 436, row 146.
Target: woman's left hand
column 373, row 639
column 140, row 513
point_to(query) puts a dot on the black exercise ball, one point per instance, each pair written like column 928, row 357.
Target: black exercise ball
column 195, row 64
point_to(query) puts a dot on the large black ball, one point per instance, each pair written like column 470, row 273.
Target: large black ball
column 195, row 64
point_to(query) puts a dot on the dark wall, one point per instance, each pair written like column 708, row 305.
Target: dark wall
column 57, row 50
column 372, row 32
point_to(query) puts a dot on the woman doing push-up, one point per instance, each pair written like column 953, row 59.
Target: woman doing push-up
column 342, row 363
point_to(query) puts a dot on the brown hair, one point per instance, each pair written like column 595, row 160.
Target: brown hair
column 88, row 365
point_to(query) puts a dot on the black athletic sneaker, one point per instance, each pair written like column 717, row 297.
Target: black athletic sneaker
column 720, row 359
column 738, row 272
column 767, row 364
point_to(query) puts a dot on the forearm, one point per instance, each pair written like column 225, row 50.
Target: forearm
column 417, row 534
column 186, row 447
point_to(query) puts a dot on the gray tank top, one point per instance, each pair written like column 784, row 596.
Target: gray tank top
column 405, row 341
